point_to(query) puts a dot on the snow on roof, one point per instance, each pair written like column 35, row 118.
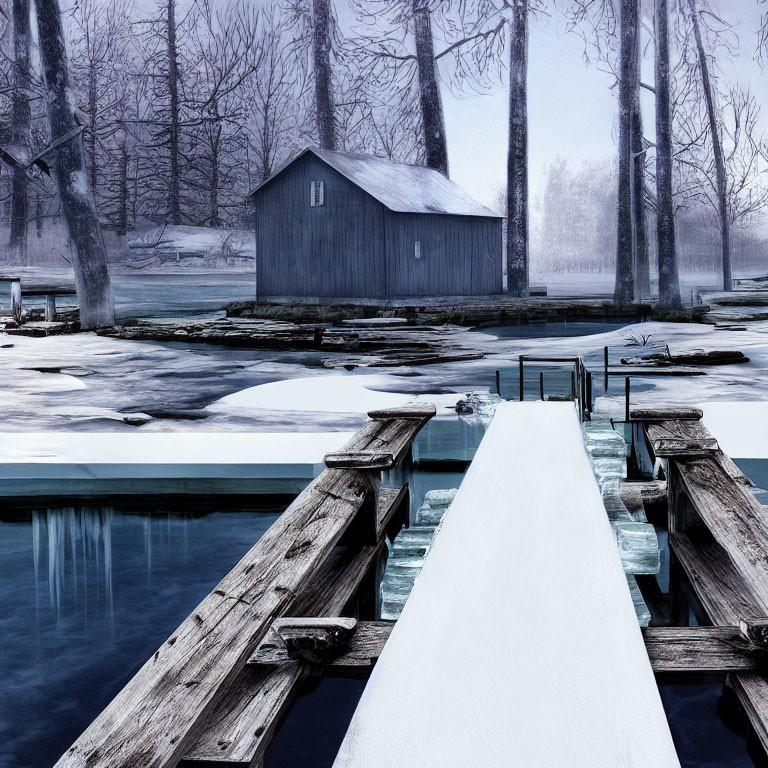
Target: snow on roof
column 400, row 187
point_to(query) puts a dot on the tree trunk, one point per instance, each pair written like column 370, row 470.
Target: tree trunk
column 642, row 266
column 122, row 200
column 92, row 116
column 324, row 112
column 625, row 280
column 669, row 282
column 717, row 150
column 432, row 119
column 20, row 129
column 94, row 289
column 174, row 200
column 517, row 157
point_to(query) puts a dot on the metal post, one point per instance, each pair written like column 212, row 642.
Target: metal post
column 498, row 383
column 541, row 385
column 605, row 363
column 522, row 373
column 626, row 398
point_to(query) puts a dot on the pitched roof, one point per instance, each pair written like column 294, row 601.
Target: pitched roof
column 400, row 187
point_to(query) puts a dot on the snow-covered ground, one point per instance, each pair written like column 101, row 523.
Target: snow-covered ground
column 90, row 382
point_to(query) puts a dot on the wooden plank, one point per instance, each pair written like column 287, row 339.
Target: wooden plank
column 158, row 715
column 677, row 654
column 680, row 438
column 714, row 579
column 671, row 413
column 734, row 518
column 239, row 730
column 390, row 501
column 700, row 654
column 378, row 445
column 417, row 411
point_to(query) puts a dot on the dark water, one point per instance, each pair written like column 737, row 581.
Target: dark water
column 86, row 595
column 553, row 330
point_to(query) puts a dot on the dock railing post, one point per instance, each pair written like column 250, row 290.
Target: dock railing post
column 626, row 398
column 605, row 363
column 50, row 308
column 498, row 383
column 541, row 385
column 589, row 392
column 522, row 382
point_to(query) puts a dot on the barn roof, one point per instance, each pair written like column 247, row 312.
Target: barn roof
column 400, row 187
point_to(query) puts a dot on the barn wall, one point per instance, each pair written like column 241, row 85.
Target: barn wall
column 459, row 255
column 334, row 250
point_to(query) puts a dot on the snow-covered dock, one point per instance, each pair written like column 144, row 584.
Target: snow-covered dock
column 513, row 656
column 52, row 464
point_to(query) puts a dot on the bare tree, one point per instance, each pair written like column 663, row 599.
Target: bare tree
column 432, row 118
column 321, row 51
column 717, row 147
column 640, row 219
column 21, row 128
column 517, row 160
column 669, row 282
column 628, row 84
column 94, row 289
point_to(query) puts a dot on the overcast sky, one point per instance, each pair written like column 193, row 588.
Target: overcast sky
column 571, row 106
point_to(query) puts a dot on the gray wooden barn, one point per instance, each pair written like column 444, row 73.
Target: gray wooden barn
column 349, row 226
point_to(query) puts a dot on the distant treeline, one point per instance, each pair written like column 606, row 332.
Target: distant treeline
column 575, row 227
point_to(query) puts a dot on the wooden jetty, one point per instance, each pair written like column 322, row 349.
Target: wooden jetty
column 718, row 539
column 300, row 604
column 194, row 702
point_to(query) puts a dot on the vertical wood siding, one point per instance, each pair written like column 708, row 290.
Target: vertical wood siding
column 354, row 247
column 332, row 250
column 459, row 255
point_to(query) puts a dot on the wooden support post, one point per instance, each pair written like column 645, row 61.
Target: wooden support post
column 50, row 308
column 522, row 379
column 627, row 386
column 589, row 391
column 498, row 383
column 605, row 363
column 573, row 384
column 16, row 300
column 541, row 385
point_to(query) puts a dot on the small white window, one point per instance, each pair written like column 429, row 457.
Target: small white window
column 316, row 194
column 417, row 249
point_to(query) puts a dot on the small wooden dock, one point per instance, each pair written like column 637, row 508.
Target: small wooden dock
column 195, row 701
column 503, row 634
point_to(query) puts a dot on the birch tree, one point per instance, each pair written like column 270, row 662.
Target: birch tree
column 94, row 289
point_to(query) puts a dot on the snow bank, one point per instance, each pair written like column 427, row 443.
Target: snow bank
column 519, row 645
column 741, row 428
column 241, row 448
column 336, row 393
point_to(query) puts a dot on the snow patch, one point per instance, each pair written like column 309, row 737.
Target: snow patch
column 741, row 428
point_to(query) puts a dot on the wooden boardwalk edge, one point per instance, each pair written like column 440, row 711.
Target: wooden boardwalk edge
column 166, row 708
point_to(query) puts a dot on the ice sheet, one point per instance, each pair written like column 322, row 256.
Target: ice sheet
column 519, row 646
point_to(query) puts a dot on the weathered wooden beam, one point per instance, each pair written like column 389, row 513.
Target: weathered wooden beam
column 391, row 502
column 417, row 411
column 755, row 631
column 680, row 438
column 379, row 444
column 701, row 654
column 314, row 640
column 671, row 413
column 677, row 654
column 160, row 713
column 238, row 731
column 733, row 516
